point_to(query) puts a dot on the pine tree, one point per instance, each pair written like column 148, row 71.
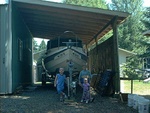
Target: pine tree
column 146, row 19
column 42, row 45
column 35, row 46
column 130, row 32
column 146, row 43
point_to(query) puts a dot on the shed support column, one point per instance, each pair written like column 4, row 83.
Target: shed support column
column 6, row 49
column 96, row 65
column 3, row 35
column 116, row 58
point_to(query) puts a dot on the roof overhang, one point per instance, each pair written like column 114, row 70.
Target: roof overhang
column 147, row 33
column 129, row 53
column 50, row 20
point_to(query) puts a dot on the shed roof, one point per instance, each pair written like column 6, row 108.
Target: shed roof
column 147, row 33
column 50, row 20
column 129, row 53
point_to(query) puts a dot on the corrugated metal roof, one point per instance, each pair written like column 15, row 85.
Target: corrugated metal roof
column 49, row 19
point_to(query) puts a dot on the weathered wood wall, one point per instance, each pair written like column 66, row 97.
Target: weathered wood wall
column 102, row 57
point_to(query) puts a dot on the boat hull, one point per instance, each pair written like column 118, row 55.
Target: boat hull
column 60, row 59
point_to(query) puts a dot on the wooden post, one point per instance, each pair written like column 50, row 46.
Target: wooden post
column 131, row 86
column 115, row 55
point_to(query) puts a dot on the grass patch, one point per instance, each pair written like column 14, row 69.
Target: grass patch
column 138, row 87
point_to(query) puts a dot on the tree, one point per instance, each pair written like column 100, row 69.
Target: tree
column 42, row 45
column 35, row 46
column 146, row 19
column 130, row 32
column 88, row 3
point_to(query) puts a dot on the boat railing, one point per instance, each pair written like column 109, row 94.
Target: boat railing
column 67, row 42
column 57, row 42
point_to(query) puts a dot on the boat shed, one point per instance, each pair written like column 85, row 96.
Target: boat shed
column 21, row 20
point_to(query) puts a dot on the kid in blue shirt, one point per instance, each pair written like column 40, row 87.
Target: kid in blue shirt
column 59, row 83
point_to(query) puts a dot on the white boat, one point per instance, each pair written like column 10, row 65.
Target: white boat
column 64, row 52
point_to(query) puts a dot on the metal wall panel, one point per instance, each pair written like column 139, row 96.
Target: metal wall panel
column 2, row 52
column 5, row 50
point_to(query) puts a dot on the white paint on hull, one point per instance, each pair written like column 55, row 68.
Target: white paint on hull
column 61, row 60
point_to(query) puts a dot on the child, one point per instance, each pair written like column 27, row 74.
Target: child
column 59, row 83
column 86, row 91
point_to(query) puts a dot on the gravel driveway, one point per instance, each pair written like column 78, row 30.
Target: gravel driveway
column 38, row 99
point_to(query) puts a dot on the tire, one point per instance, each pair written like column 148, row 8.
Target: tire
column 43, row 83
column 43, row 79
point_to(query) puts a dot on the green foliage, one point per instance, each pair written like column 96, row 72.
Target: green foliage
column 130, row 33
column 129, row 68
column 129, row 72
column 146, row 18
column 145, row 39
column 42, row 46
column 35, row 46
column 38, row 48
column 131, row 6
column 88, row 3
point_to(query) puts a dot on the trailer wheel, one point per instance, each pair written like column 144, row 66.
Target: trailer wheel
column 43, row 83
column 43, row 79
column 74, row 92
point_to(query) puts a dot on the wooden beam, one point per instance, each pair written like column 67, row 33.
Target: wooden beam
column 99, row 32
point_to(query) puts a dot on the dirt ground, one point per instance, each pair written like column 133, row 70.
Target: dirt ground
column 38, row 99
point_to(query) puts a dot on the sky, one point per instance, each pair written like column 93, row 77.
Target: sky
column 146, row 3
